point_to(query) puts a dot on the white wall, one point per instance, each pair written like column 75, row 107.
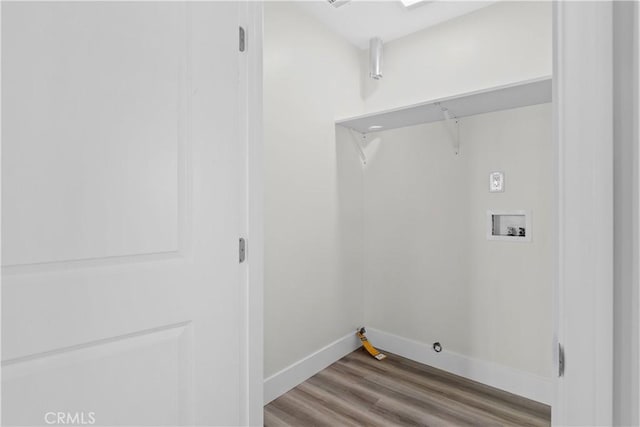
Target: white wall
column 315, row 193
column 313, row 197
column 430, row 273
column 466, row 295
column 415, row 216
column 511, row 282
column 497, row 45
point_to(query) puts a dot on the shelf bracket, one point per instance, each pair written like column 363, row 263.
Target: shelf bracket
column 452, row 125
column 359, row 140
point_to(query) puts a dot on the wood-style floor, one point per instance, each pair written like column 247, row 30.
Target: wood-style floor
column 361, row 391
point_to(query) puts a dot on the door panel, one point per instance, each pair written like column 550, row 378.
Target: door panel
column 148, row 369
column 97, row 116
column 122, row 203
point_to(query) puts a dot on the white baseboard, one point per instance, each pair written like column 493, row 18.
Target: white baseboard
column 514, row 381
column 286, row 379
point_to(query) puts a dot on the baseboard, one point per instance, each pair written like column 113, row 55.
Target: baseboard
column 514, row 381
column 286, row 379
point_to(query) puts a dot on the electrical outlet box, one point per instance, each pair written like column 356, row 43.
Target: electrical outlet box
column 496, row 182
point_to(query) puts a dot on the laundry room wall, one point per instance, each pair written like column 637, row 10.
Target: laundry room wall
column 313, row 188
column 425, row 208
column 500, row 44
column 394, row 244
column 431, row 274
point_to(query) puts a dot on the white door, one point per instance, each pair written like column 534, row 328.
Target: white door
column 123, row 197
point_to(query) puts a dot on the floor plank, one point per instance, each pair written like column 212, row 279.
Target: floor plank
column 358, row 390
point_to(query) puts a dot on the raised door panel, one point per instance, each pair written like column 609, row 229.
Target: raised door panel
column 96, row 123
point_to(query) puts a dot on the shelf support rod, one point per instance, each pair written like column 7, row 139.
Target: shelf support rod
column 358, row 140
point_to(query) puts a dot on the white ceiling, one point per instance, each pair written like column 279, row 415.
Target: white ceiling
column 360, row 20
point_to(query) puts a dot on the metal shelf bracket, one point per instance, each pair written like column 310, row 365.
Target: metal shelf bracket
column 452, row 124
column 359, row 141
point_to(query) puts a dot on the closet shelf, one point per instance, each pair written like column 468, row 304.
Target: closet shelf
column 521, row 94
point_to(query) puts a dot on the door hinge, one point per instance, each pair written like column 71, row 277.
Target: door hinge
column 242, row 250
column 241, row 37
column 560, row 360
